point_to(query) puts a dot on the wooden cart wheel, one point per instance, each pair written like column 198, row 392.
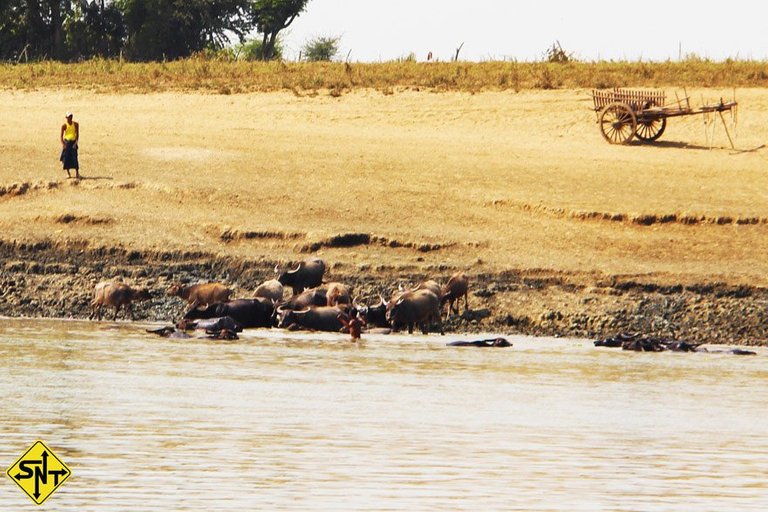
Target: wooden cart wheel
column 618, row 123
column 649, row 130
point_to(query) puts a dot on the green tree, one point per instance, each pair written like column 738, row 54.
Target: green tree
column 11, row 33
column 95, row 29
column 272, row 16
column 33, row 29
column 171, row 29
column 321, row 49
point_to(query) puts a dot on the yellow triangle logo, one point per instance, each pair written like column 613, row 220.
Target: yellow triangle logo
column 39, row 472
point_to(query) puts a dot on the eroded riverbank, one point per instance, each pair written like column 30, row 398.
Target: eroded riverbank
column 51, row 280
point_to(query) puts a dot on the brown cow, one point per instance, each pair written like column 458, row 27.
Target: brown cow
column 451, row 293
column 115, row 295
column 201, row 293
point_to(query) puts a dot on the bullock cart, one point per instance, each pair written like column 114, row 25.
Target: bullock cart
column 627, row 113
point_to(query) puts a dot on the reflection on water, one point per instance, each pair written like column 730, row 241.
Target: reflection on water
column 286, row 421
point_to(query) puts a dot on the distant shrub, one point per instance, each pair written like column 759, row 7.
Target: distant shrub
column 556, row 54
column 321, row 49
column 411, row 57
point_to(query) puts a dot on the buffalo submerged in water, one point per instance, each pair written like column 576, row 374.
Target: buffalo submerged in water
column 259, row 312
column 489, row 343
column 638, row 343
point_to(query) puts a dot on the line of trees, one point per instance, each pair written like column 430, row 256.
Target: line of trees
column 139, row 30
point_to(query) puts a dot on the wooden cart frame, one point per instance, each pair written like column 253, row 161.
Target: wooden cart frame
column 627, row 113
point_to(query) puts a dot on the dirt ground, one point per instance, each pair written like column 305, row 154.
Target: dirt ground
column 560, row 232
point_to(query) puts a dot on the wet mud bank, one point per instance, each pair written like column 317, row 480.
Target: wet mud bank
column 47, row 279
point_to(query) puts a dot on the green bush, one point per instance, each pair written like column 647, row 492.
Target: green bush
column 321, row 49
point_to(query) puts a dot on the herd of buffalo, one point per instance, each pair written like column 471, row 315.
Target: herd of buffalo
column 320, row 306
column 312, row 305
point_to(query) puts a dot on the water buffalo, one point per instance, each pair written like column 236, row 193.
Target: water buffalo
column 430, row 285
column 638, row 343
column 169, row 332
column 200, row 294
column 317, row 318
column 308, row 274
column 376, row 315
column 307, row 298
column 456, row 287
column 272, row 289
column 257, row 312
column 420, row 307
column 213, row 324
column 734, row 351
column 224, row 334
column 115, row 295
column 338, row 293
column 617, row 341
column 493, row 342
column 224, row 328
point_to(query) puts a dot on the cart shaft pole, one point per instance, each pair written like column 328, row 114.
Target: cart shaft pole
column 725, row 125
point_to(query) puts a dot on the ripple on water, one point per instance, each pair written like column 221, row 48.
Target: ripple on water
column 314, row 422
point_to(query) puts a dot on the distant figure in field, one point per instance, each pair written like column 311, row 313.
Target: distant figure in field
column 70, row 135
column 429, row 56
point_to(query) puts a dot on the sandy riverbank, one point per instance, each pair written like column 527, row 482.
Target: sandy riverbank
column 561, row 233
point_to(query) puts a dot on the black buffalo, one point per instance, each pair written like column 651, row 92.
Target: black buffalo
column 308, row 274
column 258, row 312
column 316, row 318
column 215, row 324
column 376, row 315
column 420, row 307
column 493, row 342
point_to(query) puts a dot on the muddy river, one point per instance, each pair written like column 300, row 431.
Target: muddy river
column 291, row 421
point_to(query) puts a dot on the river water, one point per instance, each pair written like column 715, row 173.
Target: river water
column 291, row 421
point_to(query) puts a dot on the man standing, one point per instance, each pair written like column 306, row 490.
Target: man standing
column 70, row 134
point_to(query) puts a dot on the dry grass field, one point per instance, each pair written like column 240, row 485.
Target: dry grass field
column 494, row 180
column 219, row 74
